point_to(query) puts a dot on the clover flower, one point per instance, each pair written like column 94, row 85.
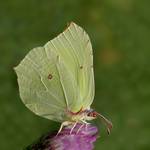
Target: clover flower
column 82, row 137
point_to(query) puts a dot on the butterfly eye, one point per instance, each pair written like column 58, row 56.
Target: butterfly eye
column 89, row 114
column 92, row 114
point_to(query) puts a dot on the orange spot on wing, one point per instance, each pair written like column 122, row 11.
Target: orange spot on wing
column 50, row 76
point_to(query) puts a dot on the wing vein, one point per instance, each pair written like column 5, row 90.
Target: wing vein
column 74, row 61
column 62, row 86
column 64, row 93
column 35, row 69
column 78, row 62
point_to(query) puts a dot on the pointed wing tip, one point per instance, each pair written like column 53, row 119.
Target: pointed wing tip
column 71, row 24
column 68, row 26
column 15, row 68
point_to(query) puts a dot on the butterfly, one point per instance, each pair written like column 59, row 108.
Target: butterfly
column 56, row 81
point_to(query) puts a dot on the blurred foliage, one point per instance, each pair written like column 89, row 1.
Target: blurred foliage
column 120, row 34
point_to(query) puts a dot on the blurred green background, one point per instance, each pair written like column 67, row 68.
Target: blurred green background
column 120, row 35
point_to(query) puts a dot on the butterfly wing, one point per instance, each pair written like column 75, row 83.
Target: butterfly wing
column 74, row 48
column 58, row 76
column 39, row 84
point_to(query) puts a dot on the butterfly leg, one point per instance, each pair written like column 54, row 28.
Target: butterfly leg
column 65, row 123
column 73, row 127
column 86, row 123
column 80, row 128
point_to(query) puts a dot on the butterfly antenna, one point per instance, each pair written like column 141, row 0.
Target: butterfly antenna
column 107, row 122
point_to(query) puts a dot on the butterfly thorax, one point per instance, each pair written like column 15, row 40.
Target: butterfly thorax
column 82, row 115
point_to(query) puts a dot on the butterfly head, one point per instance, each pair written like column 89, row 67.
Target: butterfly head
column 91, row 114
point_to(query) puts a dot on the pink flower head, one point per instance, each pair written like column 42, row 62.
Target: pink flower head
column 82, row 137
